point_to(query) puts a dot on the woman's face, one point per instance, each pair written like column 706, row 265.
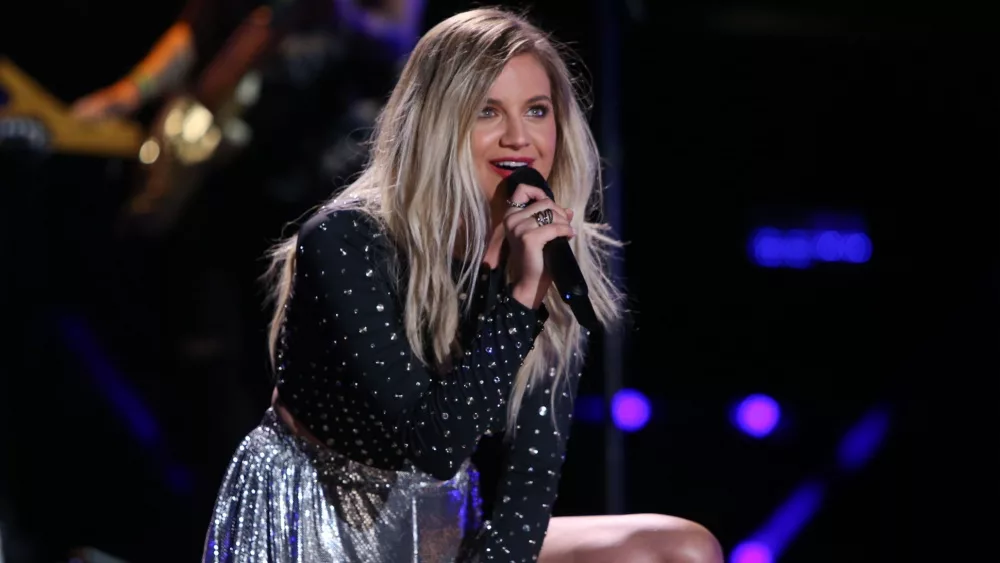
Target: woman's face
column 516, row 127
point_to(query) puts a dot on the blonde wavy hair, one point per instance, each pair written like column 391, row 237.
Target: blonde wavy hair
column 420, row 187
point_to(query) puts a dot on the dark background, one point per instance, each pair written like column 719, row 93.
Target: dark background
column 729, row 117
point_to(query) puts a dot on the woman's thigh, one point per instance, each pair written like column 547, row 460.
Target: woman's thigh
column 635, row 538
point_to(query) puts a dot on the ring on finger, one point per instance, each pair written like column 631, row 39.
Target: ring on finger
column 516, row 204
column 543, row 217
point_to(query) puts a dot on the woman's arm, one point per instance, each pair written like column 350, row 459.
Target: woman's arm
column 529, row 482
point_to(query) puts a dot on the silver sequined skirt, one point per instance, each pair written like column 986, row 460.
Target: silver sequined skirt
column 286, row 500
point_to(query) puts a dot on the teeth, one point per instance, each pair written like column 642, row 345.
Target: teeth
column 510, row 164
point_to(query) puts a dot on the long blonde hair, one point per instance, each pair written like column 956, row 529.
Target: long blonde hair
column 420, row 186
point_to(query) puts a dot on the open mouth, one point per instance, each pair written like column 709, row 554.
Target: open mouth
column 506, row 167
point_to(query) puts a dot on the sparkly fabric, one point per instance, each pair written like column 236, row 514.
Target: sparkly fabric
column 285, row 500
column 347, row 373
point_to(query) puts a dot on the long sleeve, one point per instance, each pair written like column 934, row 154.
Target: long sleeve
column 530, row 480
column 364, row 393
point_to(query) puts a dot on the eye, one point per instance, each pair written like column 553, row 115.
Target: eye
column 487, row 112
column 541, row 110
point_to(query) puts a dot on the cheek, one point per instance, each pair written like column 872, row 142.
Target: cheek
column 551, row 140
column 480, row 142
column 546, row 142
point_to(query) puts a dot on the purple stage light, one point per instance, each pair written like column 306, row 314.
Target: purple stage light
column 799, row 248
column 751, row 552
column 757, row 415
column 630, row 410
column 829, row 246
column 863, row 440
column 768, row 542
column 857, row 248
column 768, row 247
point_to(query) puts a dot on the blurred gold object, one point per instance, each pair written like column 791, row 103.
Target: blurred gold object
column 184, row 144
column 149, row 151
column 200, row 129
column 66, row 134
column 191, row 131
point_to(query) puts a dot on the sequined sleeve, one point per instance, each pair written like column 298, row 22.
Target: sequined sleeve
column 433, row 420
column 530, row 480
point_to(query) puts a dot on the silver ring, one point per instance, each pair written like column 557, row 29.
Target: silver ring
column 517, row 205
column 543, row 217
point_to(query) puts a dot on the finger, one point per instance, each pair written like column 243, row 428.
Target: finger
column 542, row 205
column 523, row 226
column 518, row 220
column 516, row 215
column 537, row 207
column 541, row 235
column 526, row 194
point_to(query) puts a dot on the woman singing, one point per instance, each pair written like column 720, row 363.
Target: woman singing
column 414, row 316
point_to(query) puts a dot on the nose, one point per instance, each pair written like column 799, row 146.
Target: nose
column 514, row 136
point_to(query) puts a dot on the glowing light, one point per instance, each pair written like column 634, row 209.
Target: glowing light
column 751, row 552
column 630, row 410
column 757, row 415
column 800, row 248
column 149, row 151
column 863, row 440
column 768, row 542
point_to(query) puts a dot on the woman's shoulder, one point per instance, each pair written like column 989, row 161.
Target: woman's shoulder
column 338, row 226
column 350, row 241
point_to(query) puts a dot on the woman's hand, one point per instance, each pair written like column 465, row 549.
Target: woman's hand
column 527, row 233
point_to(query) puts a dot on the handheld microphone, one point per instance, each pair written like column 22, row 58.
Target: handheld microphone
column 559, row 258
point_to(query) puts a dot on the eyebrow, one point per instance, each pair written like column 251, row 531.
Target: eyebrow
column 532, row 100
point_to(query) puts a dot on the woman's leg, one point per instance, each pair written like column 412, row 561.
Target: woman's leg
column 634, row 538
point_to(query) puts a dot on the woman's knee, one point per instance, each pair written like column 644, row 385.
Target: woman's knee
column 668, row 539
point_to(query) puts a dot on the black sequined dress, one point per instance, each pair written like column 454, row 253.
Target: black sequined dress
column 395, row 482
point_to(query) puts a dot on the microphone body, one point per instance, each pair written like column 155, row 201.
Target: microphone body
column 559, row 258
